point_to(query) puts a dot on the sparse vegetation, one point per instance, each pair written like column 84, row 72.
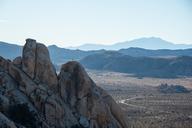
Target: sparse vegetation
column 165, row 88
column 145, row 106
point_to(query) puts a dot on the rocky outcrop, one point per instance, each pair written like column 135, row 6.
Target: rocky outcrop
column 33, row 96
column 37, row 65
column 29, row 57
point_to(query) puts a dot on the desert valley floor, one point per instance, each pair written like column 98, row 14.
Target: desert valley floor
column 144, row 105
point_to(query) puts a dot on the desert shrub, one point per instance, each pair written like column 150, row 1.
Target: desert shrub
column 165, row 88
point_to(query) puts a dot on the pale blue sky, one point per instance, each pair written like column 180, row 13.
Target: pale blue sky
column 75, row 22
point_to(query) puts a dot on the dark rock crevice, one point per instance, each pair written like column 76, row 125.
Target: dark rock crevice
column 35, row 67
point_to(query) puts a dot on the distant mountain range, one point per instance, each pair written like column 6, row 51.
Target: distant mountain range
column 138, row 61
column 61, row 55
column 140, row 52
column 146, row 43
column 10, row 51
column 140, row 66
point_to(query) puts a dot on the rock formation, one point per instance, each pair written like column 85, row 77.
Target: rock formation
column 33, row 96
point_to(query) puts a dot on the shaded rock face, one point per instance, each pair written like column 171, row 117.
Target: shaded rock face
column 29, row 57
column 33, row 96
column 36, row 63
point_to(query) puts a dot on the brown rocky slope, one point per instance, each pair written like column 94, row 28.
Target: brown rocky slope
column 33, row 96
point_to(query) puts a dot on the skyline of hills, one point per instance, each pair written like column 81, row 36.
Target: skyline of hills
column 160, row 62
column 152, row 43
column 61, row 55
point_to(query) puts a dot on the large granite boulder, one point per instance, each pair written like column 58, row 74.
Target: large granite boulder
column 33, row 96
column 92, row 106
column 37, row 64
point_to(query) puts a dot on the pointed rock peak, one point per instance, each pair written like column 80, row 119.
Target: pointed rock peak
column 36, row 63
column 29, row 57
column 29, row 40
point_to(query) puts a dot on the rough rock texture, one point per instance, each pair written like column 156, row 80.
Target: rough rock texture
column 36, row 63
column 29, row 57
column 5, row 122
column 33, row 96
column 17, row 61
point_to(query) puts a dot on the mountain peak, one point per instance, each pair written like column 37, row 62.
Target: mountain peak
column 152, row 43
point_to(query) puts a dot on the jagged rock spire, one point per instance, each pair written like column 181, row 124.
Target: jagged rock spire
column 37, row 64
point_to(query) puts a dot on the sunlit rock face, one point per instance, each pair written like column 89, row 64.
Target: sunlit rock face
column 33, row 96
column 36, row 63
